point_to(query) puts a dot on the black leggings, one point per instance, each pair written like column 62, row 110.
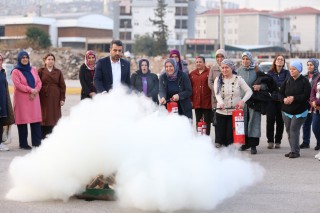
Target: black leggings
column 46, row 130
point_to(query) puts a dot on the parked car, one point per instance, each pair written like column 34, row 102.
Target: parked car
column 266, row 66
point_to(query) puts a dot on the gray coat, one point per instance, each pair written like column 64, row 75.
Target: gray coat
column 214, row 72
column 253, row 124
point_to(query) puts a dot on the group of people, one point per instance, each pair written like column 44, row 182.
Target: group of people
column 221, row 88
column 285, row 96
column 37, row 99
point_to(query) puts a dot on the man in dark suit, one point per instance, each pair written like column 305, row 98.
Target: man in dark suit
column 112, row 71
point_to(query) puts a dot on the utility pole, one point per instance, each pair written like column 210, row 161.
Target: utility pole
column 39, row 8
column 290, row 44
column 180, row 33
column 221, row 34
column 125, row 36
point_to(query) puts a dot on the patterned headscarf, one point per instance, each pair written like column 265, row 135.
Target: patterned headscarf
column 175, row 74
column 249, row 55
column 178, row 54
column 230, row 64
column 315, row 63
column 88, row 53
column 25, row 69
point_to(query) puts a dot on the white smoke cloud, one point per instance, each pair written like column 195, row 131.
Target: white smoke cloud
column 161, row 163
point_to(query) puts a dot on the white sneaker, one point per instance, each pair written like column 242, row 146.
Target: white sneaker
column 317, row 155
column 3, row 147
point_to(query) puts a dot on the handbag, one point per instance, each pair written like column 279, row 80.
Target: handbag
column 214, row 117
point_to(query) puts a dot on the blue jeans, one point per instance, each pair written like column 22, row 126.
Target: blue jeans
column 306, row 129
column 315, row 126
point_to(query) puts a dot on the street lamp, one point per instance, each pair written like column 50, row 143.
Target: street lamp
column 221, row 26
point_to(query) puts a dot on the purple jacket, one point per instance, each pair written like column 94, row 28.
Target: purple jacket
column 315, row 89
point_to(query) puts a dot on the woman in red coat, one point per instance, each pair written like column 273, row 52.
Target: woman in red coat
column 52, row 94
column 201, row 93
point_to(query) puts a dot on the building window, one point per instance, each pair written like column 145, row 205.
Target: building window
column 125, row 11
column 181, row 24
column 181, row 1
column 181, row 11
column 125, row 35
column 1, row 30
column 125, row 23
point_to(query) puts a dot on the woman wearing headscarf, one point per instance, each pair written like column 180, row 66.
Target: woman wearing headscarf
column 274, row 113
column 215, row 72
column 201, row 93
column 52, row 94
column 312, row 76
column 26, row 101
column 252, row 118
column 6, row 113
column 174, row 85
column 229, row 89
column 182, row 65
column 295, row 92
column 145, row 81
column 86, row 74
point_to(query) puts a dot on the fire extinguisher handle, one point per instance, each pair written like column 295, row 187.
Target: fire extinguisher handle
column 226, row 108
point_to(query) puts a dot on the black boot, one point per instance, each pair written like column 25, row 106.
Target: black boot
column 244, row 147
column 253, row 150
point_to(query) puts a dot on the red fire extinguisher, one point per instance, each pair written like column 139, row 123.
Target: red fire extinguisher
column 238, row 126
column 202, row 127
column 172, row 107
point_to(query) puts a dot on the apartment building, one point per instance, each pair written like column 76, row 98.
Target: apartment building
column 304, row 28
column 242, row 27
column 296, row 29
column 132, row 19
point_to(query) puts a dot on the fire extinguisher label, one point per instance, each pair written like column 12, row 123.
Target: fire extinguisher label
column 239, row 128
column 204, row 129
column 175, row 109
column 239, row 118
column 239, row 125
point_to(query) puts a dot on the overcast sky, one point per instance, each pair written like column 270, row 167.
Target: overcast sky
column 274, row 4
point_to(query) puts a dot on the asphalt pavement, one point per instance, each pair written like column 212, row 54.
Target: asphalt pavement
column 289, row 185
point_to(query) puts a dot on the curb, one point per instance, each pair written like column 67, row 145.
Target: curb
column 69, row 90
